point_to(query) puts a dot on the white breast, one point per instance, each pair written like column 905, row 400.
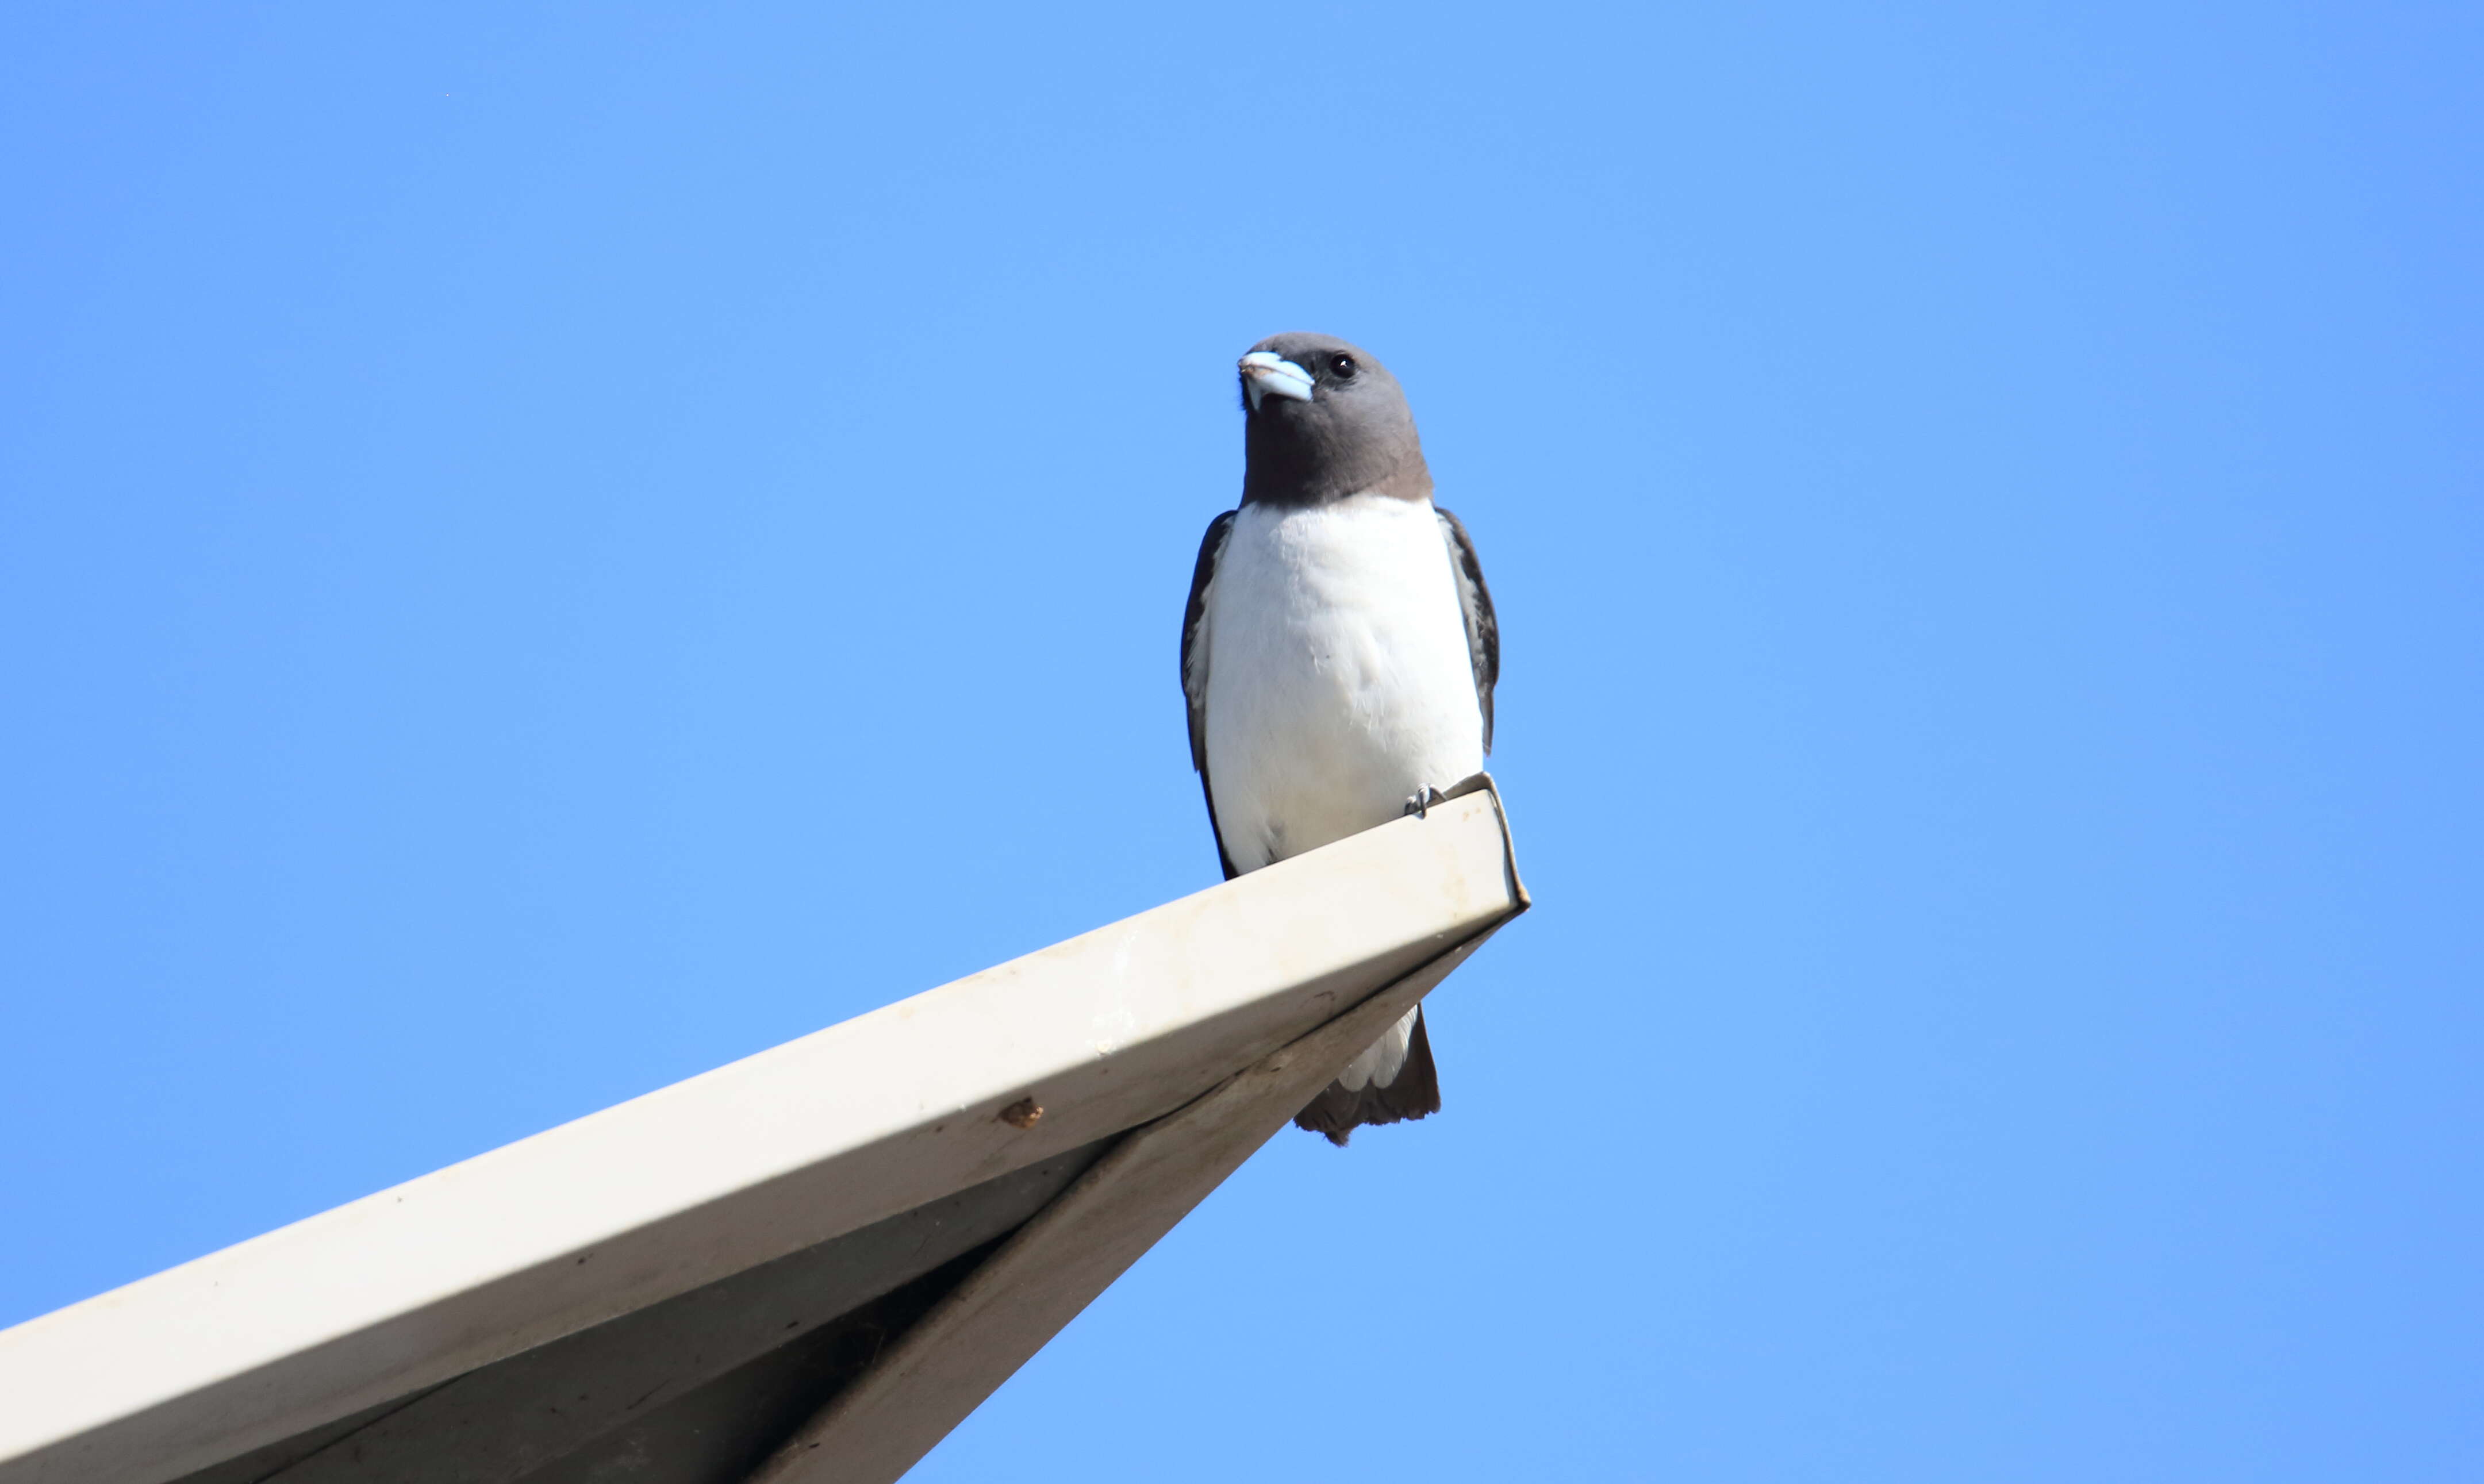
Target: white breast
column 1338, row 680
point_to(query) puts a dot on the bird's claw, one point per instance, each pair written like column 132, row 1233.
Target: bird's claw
column 1420, row 802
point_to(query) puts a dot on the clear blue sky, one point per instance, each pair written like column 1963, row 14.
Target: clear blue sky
column 541, row 553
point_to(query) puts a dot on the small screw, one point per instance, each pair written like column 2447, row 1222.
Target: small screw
column 1022, row 1114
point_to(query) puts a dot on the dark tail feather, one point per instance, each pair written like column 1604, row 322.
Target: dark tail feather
column 1414, row 1094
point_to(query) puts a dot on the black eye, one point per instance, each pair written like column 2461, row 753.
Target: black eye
column 1343, row 367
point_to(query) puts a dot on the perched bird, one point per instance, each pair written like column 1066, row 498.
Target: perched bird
column 1339, row 652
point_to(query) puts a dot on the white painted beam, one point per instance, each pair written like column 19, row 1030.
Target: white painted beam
column 941, row 1369
column 704, row 1179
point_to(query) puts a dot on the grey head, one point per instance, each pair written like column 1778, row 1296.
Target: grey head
column 1325, row 419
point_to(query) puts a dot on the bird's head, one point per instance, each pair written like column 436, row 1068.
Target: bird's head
column 1325, row 419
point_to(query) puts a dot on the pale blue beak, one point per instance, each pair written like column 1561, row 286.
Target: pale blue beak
column 1265, row 373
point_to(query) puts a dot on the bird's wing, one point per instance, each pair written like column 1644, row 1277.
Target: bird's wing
column 1475, row 601
column 1194, row 669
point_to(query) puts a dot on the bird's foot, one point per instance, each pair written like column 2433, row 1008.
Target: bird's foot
column 1420, row 802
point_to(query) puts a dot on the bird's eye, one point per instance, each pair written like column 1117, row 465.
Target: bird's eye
column 1343, row 367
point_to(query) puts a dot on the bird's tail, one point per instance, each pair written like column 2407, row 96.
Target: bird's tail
column 1393, row 1080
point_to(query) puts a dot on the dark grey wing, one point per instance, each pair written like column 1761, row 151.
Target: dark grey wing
column 1475, row 601
column 1194, row 670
